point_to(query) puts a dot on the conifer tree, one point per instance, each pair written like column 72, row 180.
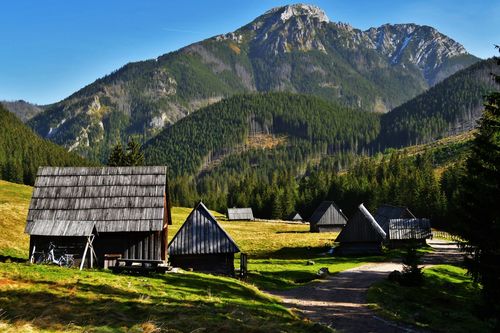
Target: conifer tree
column 480, row 208
column 134, row 156
column 117, row 156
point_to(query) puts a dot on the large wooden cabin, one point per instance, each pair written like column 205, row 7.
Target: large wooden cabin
column 122, row 211
column 203, row 245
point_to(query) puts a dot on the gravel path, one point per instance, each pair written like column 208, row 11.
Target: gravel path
column 340, row 301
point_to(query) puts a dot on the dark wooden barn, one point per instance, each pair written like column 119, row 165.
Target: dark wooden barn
column 327, row 217
column 203, row 245
column 235, row 214
column 122, row 211
column 361, row 235
column 401, row 226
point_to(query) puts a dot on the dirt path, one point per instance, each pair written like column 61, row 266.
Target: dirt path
column 340, row 301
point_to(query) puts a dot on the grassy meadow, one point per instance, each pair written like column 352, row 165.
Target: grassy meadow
column 448, row 301
column 52, row 299
column 14, row 204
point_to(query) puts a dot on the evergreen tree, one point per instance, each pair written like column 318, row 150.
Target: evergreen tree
column 117, row 156
column 480, row 208
column 134, row 156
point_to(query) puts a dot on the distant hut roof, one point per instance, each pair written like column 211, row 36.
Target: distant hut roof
column 362, row 227
column 115, row 199
column 201, row 234
column 387, row 212
column 322, row 209
column 296, row 217
column 403, row 229
column 240, row 214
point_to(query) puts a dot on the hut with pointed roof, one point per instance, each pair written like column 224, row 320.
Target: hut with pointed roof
column 296, row 218
column 387, row 212
column 361, row 235
column 203, row 245
column 401, row 226
column 328, row 217
column 240, row 214
column 124, row 210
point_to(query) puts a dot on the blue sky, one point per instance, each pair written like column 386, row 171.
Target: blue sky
column 50, row 49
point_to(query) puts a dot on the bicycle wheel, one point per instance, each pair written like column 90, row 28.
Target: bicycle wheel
column 40, row 258
column 70, row 262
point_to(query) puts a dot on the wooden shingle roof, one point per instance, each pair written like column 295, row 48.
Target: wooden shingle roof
column 240, row 214
column 115, row 199
column 201, row 234
column 362, row 227
column 387, row 212
column 322, row 209
column 401, row 229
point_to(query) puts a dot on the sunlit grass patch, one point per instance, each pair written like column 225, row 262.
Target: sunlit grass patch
column 447, row 302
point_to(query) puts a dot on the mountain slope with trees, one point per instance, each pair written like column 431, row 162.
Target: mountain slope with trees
column 451, row 107
column 293, row 48
column 22, row 151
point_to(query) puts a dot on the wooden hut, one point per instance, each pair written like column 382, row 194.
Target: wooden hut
column 116, row 211
column 387, row 212
column 234, row 214
column 401, row 226
column 327, row 217
column 401, row 232
column 361, row 235
column 296, row 218
column 203, row 245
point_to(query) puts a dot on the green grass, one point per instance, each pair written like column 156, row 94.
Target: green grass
column 447, row 302
column 52, row 299
column 14, row 203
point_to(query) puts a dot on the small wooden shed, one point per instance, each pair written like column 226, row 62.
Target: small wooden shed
column 401, row 226
column 361, row 235
column 387, row 212
column 296, row 218
column 123, row 211
column 203, row 245
column 328, row 217
column 245, row 214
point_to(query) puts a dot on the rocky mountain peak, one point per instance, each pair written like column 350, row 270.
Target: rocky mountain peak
column 297, row 10
column 288, row 28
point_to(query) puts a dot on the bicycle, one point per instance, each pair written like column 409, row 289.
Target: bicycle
column 65, row 260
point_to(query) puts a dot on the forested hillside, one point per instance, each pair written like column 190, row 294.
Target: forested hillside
column 293, row 48
column 452, row 106
column 22, row 151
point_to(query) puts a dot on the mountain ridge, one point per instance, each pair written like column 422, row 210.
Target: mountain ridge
column 292, row 48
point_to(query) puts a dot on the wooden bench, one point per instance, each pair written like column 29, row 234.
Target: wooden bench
column 138, row 266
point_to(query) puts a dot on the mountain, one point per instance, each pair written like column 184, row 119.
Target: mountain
column 24, row 110
column 452, row 106
column 22, row 151
column 292, row 48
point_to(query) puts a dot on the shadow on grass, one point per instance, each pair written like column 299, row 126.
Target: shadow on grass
column 7, row 258
column 185, row 302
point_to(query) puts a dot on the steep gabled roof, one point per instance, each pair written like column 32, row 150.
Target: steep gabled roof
column 387, row 212
column 322, row 209
column 362, row 227
column 201, row 234
column 240, row 214
column 296, row 217
column 115, row 199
